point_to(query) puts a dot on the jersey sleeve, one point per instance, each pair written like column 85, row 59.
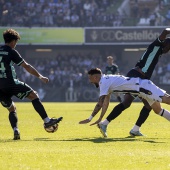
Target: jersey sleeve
column 16, row 58
column 104, row 89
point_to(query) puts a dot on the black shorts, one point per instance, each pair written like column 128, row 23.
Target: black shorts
column 135, row 73
column 19, row 89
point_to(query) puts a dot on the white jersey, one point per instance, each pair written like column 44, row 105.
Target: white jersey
column 118, row 83
column 143, row 88
column 150, row 92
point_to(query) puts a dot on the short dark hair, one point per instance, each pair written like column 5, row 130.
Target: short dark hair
column 94, row 71
column 10, row 35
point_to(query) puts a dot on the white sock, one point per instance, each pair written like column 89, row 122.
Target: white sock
column 135, row 128
column 105, row 122
column 165, row 114
column 46, row 120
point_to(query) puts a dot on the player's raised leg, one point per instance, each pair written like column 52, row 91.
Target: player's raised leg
column 38, row 106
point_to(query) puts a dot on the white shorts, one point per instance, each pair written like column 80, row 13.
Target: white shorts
column 151, row 92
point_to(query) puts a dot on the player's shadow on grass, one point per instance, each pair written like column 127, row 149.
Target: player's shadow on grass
column 100, row 140
column 94, row 140
column 11, row 140
column 24, row 140
column 143, row 139
column 106, row 140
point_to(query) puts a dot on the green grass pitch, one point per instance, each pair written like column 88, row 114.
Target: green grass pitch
column 81, row 147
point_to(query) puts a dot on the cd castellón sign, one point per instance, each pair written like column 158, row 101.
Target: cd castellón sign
column 121, row 35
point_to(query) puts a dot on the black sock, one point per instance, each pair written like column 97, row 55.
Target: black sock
column 39, row 108
column 13, row 119
column 144, row 113
column 116, row 112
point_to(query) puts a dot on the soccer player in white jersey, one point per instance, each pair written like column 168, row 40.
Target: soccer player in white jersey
column 145, row 89
column 143, row 69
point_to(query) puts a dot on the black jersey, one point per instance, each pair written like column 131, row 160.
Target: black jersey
column 113, row 69
column 8, row 57
column 150, row 58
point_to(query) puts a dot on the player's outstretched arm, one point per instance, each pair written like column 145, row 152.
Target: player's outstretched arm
column 104, row 109
column 95, row 111
column 29, row 68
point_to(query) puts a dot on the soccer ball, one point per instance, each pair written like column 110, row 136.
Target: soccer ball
column 52, row 129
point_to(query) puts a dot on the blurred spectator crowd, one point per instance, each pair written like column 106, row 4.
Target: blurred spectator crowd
column 161, row 74
column 64, row 70
column 70, row 70
column 67, row 74
column 84, row 13
column 57, row 13
column 150, row 12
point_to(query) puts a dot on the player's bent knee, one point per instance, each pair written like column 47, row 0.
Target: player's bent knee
column 126, row 104
column 156, row 108
column 12, row 108
column 7, row 103
column 33, row 95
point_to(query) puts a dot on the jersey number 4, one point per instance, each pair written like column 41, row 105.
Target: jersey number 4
column 2, row 68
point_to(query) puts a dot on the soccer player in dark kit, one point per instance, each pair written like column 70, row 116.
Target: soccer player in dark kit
column 11, row 86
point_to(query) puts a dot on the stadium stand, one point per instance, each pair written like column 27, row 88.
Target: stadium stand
column 64, row 78
column 69, row 72
column 60, row 13
column 81, row 13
